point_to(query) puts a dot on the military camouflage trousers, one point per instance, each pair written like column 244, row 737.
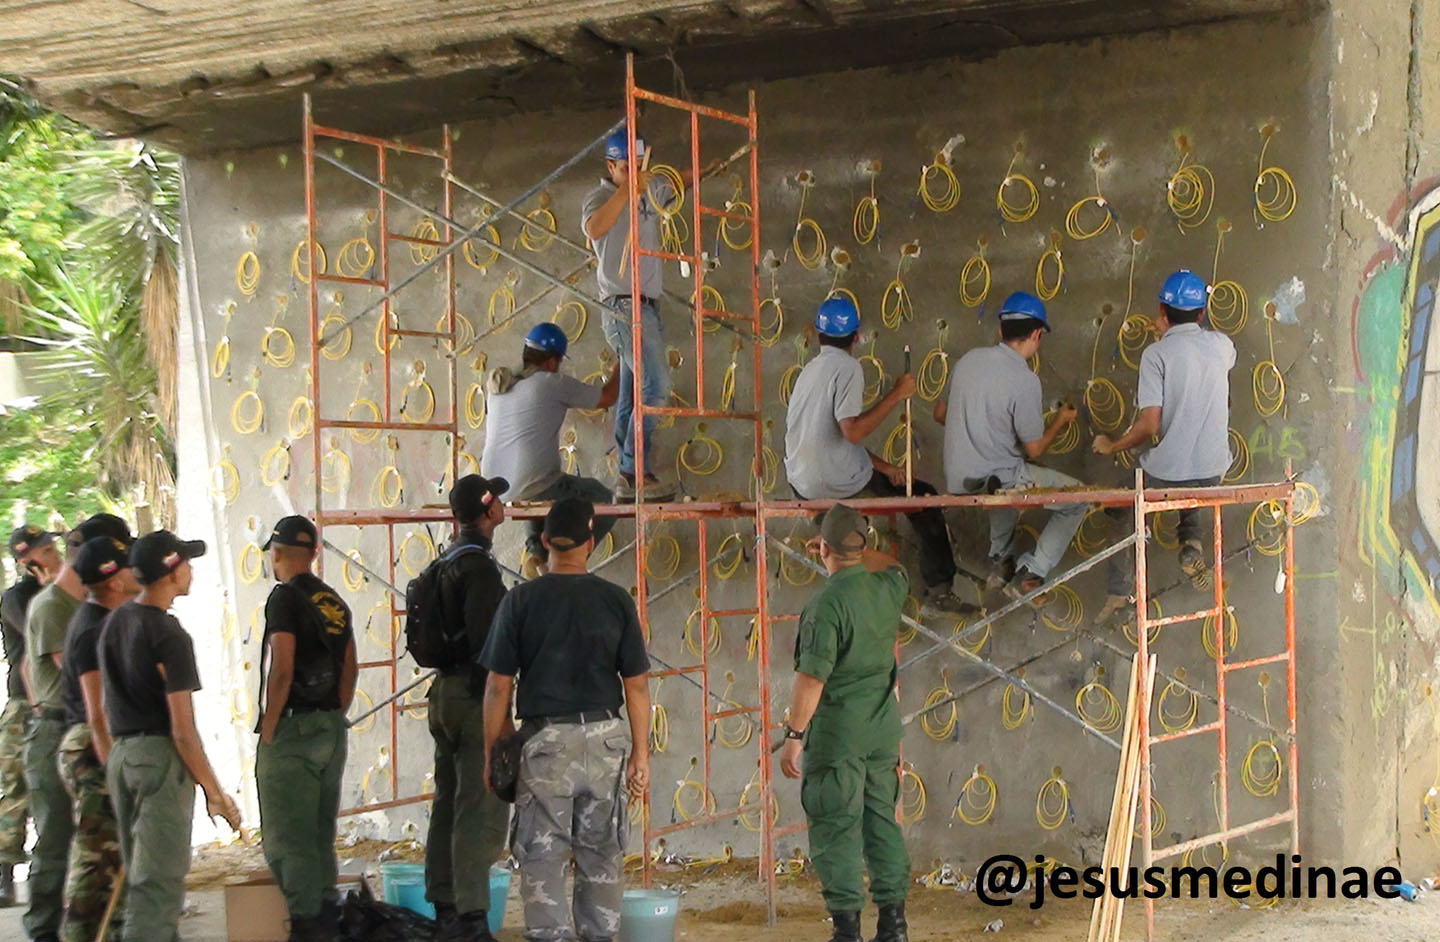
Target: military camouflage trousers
column 14, row 796
column 94, row 863
column 570, row 804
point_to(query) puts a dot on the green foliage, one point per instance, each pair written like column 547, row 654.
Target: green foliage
column 35, row 213
column 47, row 465
column 131, row 192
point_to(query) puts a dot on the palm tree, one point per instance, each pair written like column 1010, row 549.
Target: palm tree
column 132, row 192
column 96, row 357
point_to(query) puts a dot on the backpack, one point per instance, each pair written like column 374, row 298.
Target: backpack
column 428, row 634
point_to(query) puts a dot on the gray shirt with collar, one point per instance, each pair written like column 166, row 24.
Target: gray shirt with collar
column 1187, row 374
column 995, row 406
column 522, row 430
column 819, row 462
column 612, row 274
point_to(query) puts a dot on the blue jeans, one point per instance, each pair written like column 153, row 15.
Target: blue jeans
column 656, row 388
column 1191, row 529
column 1059, row 530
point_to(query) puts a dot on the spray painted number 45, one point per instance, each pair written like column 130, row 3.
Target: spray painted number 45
column 1289, row 446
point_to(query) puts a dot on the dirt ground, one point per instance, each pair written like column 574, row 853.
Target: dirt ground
column 724, row 902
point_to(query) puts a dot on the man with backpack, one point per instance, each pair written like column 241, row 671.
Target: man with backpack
column 449, row 609
column 308, row 670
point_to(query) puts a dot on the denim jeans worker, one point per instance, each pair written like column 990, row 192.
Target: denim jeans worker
column 655, row 390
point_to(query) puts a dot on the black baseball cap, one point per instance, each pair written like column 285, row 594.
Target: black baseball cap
column 570, row 523
column 27, row 538
column 99, row 525
column 100, row 558
column 843, row 528
column 293, row 530
column 472, row 495
column 155, row 555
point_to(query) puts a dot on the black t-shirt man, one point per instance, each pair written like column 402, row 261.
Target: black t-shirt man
column 12, row 631
column 471, row 592
column 569, row 638
column 322, row 625
column 136, row 639
column 82, row 655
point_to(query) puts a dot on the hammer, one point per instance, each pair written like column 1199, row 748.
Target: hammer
column 909, row 439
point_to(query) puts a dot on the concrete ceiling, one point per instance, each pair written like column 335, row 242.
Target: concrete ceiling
column 206, row 75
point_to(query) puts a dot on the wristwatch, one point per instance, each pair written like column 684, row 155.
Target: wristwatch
column 791, row 733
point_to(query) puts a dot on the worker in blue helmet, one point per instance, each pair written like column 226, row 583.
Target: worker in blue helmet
column 826, row 424
column 995, row 431
column 605, row 217
column 1183, row 399
column 524, row 410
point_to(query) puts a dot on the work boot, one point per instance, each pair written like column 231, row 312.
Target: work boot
column 1192, row 563
column 942, row 598
column 891, row 926
column 1023, row 584
column 473, row 926
column 1113, row 605
column 654, row 490
column 305, row 929
column 7, row 885
column 847, row 927
column 444, row 915
column 1002, row 570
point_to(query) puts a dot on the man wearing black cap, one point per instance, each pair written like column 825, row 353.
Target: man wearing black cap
column 148, row 675
column 310, row 646
column 844, row 711
column 103, row 564
column 467, row 821
column 46, row 621
column 35, row 553
column 574, row 639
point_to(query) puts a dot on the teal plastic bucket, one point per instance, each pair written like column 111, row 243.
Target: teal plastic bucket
column 499, row 891
column 649, row 915
column 403, row 884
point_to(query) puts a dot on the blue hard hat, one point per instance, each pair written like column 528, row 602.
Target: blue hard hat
column 547, row 338
column 1024, row 304
column 617, row 145
column 837, row 317
column 1185, row 291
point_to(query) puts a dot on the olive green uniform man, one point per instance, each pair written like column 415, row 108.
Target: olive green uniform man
column 308, row 679
column 844, row 711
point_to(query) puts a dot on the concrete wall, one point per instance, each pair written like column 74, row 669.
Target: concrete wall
column 1217, row 86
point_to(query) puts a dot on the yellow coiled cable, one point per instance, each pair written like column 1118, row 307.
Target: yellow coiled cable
column 1097, row 706
column 1063, row 609
column 275, row 464
column 674, row 230
column 225, row 478
column 335, row 469
column 540, row 227
column 729, row 556
column 418, row 386
column 940, row 725
column 1208, row 631
column 749, row 798
column 353, row 576
column 300, row 261
column 1173, row 718
column 301, row 419
column 701, row 454
column 1052, row 802
column 389, row 484
column 895, row 303
column 571, row 317
column 475, row 396
column 659, row 721
column 873, row 370
column 975, row 277
column 662, row 555
column 692, row 799
column 1190, row 192
column 1105, row 403
column 912, row 794
column 1091, row 536
column 1258, row 779
column 1044, row 287
column 771, row 329
column 815, row 256
column 1011, row 716
column 1229, row 306
column 1275, row 192
column 247, row 274
column 1267, row 383
column 733, row 732
column 792, row 372
column 1075, row 227
column 1029, row 204
column 424, row 229
column 1240, row 463
column 502, row 303
column 866, row 221
column 408, row 561
column 472, row 259
column 978, row 797
column 1135, row 334
column 935, row 367
column 251, row 558
column 692, row 634
column 739, row 207
column 948, row 196
column 248, row 413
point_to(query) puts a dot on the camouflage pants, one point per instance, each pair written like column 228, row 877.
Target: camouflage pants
column 95, row 849
column 14, row 796
column 570, row 804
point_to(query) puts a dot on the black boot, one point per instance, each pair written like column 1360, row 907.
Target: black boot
column 444, row 915
column 7, row 885
column 473, row 926
column 302, row 929
column 891, row 926
column 847, row 927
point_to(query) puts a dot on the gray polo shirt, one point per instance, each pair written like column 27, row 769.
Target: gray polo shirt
column 611, row 276
column 819, row 463
column 522, row 430
column 995, row 406
column 1187, row 374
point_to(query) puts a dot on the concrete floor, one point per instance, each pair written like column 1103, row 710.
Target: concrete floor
column 204, row 919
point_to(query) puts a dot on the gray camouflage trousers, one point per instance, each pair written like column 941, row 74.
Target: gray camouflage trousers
column 570, row 804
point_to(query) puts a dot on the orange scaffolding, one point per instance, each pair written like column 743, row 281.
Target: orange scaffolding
column 1143, row 504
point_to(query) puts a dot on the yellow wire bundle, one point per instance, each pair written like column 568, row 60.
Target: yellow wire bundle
column 334, row 469
column 895, row 304
column 1240, row 462
column 247, row 274
column 1105, row 403
column 275, row 464
column 300, row 261
column 1135, row 334
column 947, row 197
column 1029, row 204
column 934, row 368
column 978, row 797
column 816, row 254
column 1275, row 192
column 1097, row 706
column 866, row 221
column 975, row 277
column 701, row 454
column 912, row 794
column 1208, row 631
column 1191, row 190
column 1063, row 610
column 1052, row 802
column 1262, row 779
column 940, row 725
column 1011, row 716
column 1045, row 287
column 571, row 317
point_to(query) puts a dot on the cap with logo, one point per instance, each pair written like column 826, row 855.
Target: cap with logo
column 843, row 528
column 27, row 538
column 99, row 525
column 472, row 495
column 155, row 555
column 100, row 558
column 294, row 530
column 570, row 523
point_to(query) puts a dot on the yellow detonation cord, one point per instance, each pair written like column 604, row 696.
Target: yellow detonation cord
column 1275, row 192
column 814, row 256
column 941, row 711
column 1229, row 305
column 1075, row 226
column 1052, row 802
column 935, row 367
column 1190, row 192
column 946, row 196
column 1267, row 383
column 975, row 276
column 1261, row 776
column 895, row 305
column 1046, row 286
column 978, row 797
column 866, row 221
column 1097, row 706
column 1022, row 209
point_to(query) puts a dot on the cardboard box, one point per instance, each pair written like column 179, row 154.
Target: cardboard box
column 255, row 910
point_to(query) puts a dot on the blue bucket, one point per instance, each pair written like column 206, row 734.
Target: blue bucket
column 403, row 884
column 649, row 915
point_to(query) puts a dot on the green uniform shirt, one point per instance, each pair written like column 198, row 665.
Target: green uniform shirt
column 847, row 640
column 45, row 625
